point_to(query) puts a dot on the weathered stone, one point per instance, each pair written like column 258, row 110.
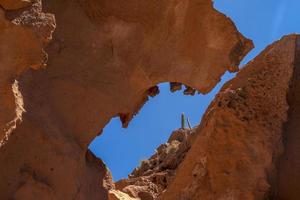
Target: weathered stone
column 154, row 175
column 118, row 195
column 235, row 151
column 175, row 86
column 103, row 58
column 21, row 48
column 15, row 4
column 239, row 140
column 289, row 165
column 189, row 91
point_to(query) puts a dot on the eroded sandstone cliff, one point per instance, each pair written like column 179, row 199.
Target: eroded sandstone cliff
column 23, row 37
column 105, row 58
column 237, row 150
column 240, row 136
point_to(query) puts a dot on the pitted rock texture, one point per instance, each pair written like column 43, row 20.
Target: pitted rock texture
column 150, row 180
column 289, row 166
column 239, row 140
column 237, row 150
column 103, row 59
column 125, row 48
column 23, row 38
column 118, row 195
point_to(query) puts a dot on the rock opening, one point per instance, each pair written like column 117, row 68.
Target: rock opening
column 158, row 118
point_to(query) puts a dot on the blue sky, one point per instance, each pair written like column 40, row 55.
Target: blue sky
column 263, row 21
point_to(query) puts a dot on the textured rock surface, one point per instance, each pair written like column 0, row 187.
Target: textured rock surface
column 15, row 4
column 150, row 180
column 118, row 195
column 22, row 40
column 125, row 48
column 236, row 149
column 239, row 139
column 103, row 59
column 289, row 166
column 106, row 57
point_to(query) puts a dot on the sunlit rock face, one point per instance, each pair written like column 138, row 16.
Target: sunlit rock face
column 246, row 146
column 119, row 50
column 23, row 37
column 151, row 179
column 103, row 58
column 239, row 141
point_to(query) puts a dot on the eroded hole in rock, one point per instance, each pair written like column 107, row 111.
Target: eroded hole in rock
column 153, row 141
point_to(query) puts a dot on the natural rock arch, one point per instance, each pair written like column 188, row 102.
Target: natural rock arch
column 157, row 115
column 121, row 50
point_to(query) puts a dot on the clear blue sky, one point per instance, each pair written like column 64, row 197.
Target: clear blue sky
column 263, row 21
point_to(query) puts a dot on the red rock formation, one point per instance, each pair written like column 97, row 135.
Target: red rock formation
column 236, row 155
column 104, row 57
column 23, row 37
column 236, row 149
column 123, row 49
column 239, row 139
column 289, row 166
column 15, row 4
column 152, row 177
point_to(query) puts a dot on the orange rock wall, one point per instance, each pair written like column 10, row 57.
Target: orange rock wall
column 289, row 166
column 246, row 146
column 239, row 140
column 58, row 89
column 103, row 58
